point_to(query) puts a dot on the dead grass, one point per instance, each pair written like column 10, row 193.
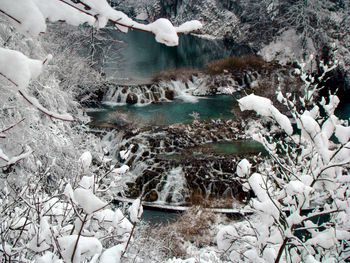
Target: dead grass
column 231, row 64
column 194, row 226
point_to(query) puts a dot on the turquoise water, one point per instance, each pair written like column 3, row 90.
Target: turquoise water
column 173, row 112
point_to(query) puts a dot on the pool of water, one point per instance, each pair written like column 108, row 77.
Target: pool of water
column 138, row 55
column 170, row 112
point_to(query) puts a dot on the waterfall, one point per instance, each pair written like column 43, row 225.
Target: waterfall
column 174, row 190
column 142, row 95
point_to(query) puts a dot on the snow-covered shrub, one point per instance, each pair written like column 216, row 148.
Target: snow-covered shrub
column 73, row 223
column 301, row 209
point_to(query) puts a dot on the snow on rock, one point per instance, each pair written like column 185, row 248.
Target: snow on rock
column 124, row 154
column 135, row 210
column 24, row 15
column 87, row 247
column 225, row 237
column 88, row 201
column 243, row 168
column 113, row 254
column 264, row 107
column 85, row 161
column 19, row 68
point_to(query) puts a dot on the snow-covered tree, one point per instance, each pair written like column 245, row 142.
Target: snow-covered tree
column 301, row 209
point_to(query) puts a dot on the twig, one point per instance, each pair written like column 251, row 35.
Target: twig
column 6, row 14
column 79, row 234
column 9, row 128
column 43, row 111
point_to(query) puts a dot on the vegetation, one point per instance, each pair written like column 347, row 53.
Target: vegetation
column 234, row 64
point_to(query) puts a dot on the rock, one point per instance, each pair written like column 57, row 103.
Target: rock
column 169, row 94
column 131, row 98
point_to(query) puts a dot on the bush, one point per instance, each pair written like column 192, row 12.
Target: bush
column 183, row 74
column 235, row 64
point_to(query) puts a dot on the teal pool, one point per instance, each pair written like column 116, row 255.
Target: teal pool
column 170, row 112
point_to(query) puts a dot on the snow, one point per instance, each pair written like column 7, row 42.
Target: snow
column 164, row 32
column 113, row 254
column 27, row 17
column 85, row 161
column 68, row 192
column 88, row 201
column 243, row 168
column 87, row 182
column 87, row 247
column 264, row 107
column 33, row 101
column 3, row 155
column 19, row 68
column 264, row 203
column 121, row 170
column 15, row 159
column 31, row 15
column 325, row 239
column 135, row 210
column 225, row 237
column 297, row 187
column 342, row 133
column 55, row 10
column 189, row 26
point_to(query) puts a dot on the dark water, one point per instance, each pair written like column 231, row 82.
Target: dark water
column 141, row 56
column 238, row 147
